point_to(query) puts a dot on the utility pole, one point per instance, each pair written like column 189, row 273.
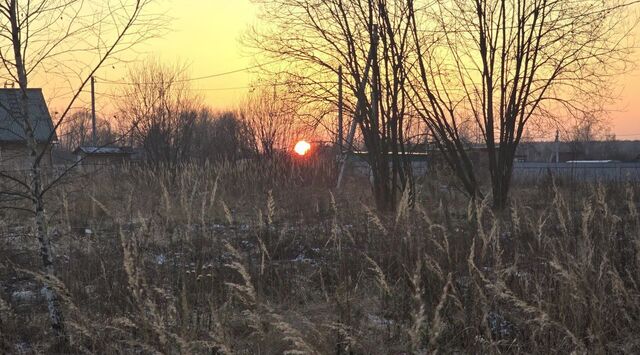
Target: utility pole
column 340, row 108
column 94, row 139
column 557, row 146
column 359, row 109
column 374, row 80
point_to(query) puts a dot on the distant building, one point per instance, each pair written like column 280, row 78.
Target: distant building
column 625, row 151
column 103, row 155
column 14, row 152
column 358, row 163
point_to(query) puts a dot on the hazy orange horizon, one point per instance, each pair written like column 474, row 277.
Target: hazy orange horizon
column 205, row 35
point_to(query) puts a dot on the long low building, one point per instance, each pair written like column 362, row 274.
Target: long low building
column 575, row 170
column 579, row 170
column 358, row 164
column 103, row 155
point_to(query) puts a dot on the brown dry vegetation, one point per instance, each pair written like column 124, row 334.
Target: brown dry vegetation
column 262, row 258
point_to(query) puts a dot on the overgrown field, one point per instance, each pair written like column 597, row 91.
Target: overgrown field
column 265, row 258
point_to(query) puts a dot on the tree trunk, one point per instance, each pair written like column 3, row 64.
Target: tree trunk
column 382, row 186
column 42, row 234
column 502, row 179
column 40, row 220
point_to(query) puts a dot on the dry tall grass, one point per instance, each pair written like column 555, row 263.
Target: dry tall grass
column 260, row 258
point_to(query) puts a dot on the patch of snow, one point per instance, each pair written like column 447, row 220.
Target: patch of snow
column 23, row 347
column 379, row 322
column 160, row 259
column 302, row 258
column 23, row 296
column 500, row 327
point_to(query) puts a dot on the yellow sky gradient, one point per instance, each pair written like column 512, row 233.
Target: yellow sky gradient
column 205, row 35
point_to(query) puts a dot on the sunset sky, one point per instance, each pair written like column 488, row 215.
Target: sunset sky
column 205, row 35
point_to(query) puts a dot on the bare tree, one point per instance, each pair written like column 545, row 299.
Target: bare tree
column 42, row 35
column 315, row 38
column 502, row 64
column 589, row 127
column 160, row 111
column 76, row 131
column 271, row 115
column 221, row 137
column 584, row 132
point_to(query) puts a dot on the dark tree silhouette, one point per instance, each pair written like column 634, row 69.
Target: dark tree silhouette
column 502, row 64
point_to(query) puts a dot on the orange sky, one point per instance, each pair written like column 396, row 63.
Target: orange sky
column 205, row 34
column 625, row 114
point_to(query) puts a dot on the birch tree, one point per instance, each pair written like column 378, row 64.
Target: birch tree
column 72, row 38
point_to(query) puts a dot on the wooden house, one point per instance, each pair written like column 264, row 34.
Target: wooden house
column 14, row 152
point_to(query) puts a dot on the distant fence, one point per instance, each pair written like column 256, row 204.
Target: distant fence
column 530, row 172
column 361, row 167
column 578, row 171
column 523, row 172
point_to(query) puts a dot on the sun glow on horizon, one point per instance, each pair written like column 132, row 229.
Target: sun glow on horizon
column 302, row 147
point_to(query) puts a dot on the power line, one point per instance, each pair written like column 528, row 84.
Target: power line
column 113, row 95
column 255, row 86
column 228, row 88
column 251, row 87
column 116, row 82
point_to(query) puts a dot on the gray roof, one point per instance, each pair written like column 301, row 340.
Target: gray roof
column 104, row 150
column 11, row 129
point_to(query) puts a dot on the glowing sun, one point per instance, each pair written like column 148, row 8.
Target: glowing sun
column 302, row 147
